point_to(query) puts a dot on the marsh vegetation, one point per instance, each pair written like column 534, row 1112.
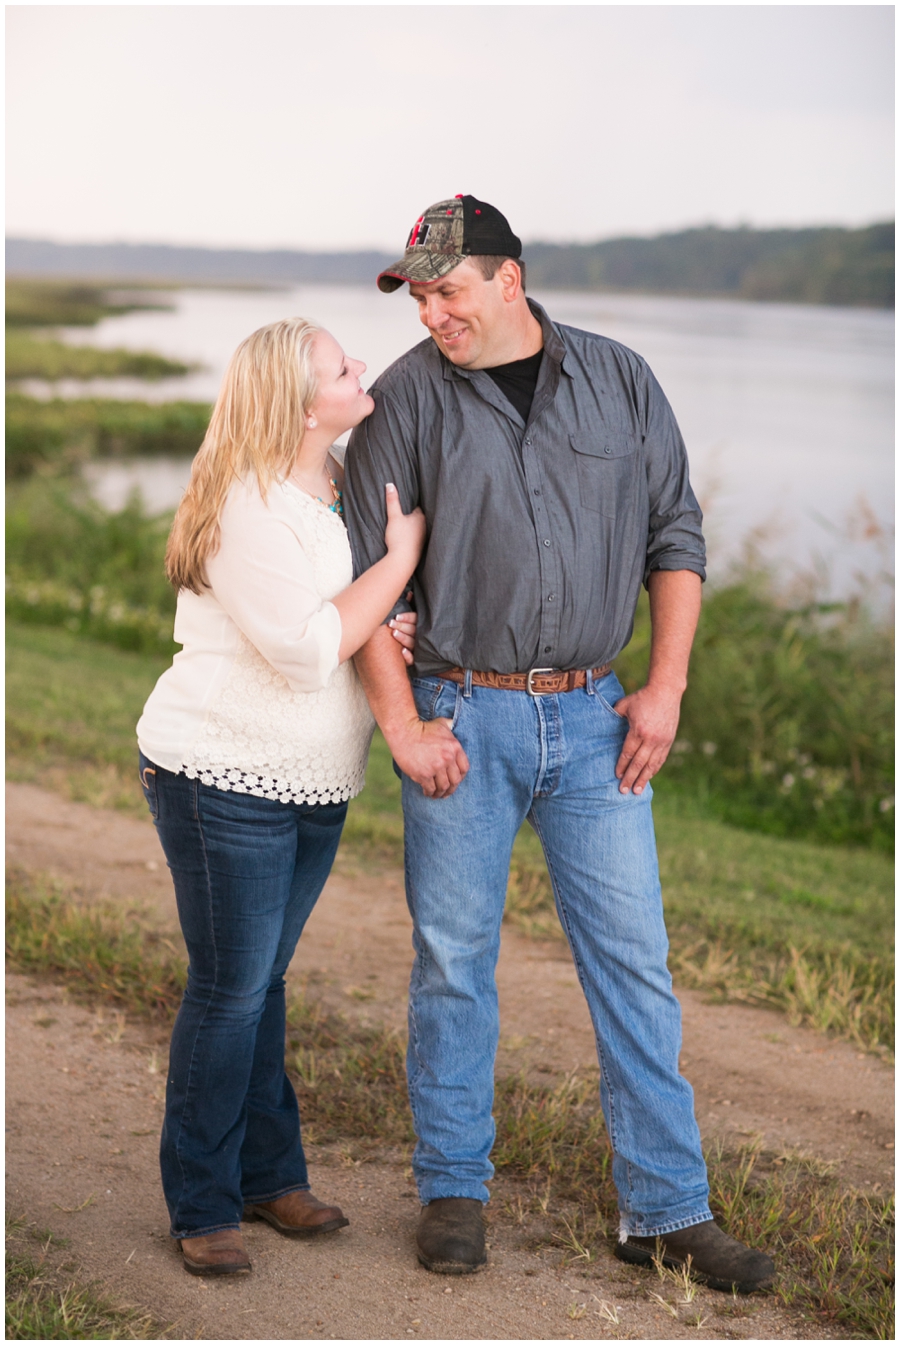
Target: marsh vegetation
column 63, row 303
column 51, row 360
column 59, row 435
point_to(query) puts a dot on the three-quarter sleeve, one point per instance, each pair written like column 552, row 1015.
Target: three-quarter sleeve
column 675, row 536
column 264, row 580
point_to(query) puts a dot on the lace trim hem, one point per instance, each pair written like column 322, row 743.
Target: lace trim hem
column 263, row 787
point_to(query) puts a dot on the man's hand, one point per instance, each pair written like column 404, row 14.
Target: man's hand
column 429, row 754
column 652, row 712
column 652, row 715
column 425, row 751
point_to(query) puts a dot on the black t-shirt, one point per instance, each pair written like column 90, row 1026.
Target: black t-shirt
column 518, row 380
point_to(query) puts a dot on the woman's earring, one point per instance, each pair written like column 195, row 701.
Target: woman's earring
column 311, row 423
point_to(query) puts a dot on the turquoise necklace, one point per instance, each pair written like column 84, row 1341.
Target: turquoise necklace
column 337, row 496
column 337, row 507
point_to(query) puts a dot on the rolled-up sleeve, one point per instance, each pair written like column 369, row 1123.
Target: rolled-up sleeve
column 675, row 535
column 264, row 580
column 381, row 450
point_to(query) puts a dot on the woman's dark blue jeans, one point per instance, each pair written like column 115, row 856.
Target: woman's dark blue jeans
column 247, row 873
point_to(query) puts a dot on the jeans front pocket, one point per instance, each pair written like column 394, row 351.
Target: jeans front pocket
column 147, row 774
column 436, row 698
column 610, row 695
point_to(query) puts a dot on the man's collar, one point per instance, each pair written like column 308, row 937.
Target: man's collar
column 554, row 346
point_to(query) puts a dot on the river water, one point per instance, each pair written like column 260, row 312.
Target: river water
column 787, row 411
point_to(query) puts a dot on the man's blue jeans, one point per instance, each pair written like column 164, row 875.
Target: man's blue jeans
column 247, row 873
column 549, row 759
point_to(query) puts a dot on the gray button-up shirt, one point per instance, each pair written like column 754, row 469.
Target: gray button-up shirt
column 539, row 535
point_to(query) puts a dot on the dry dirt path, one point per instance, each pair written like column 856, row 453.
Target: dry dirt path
column 84, row 1101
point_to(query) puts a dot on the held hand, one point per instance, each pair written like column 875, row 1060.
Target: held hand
column 652, row 716
column 404, row 534
column 403, row 629
column 429, row 754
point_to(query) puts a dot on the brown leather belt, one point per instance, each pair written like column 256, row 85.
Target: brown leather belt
column 538, row 682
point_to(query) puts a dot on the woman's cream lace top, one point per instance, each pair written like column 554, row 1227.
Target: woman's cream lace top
column 256, row 701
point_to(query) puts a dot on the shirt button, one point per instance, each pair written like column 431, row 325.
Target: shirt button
column 551, row 597
column 607, row 450
column 537, row 492
column 528, row 441
column 546, row 541
column 547, row 648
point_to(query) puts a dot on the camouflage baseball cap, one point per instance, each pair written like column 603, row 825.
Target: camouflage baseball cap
column 447, row 233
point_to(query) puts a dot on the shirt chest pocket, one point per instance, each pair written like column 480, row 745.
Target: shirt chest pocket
column 606, row 463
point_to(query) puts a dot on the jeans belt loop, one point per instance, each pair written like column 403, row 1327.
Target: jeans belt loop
column 589, row 681
column 467, row 684
column 529, row 685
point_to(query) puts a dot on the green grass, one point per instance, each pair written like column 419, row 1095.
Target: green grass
column 72, row 706
column 834, row 1247
column 804, row 928
column 801, row 927
column 112, row 952
column 51, row 360
column 42, row 1305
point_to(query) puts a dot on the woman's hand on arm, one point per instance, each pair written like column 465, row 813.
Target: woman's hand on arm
column 403, row 628
column 364, row 605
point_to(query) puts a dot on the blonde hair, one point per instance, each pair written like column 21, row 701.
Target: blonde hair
column 257, row 426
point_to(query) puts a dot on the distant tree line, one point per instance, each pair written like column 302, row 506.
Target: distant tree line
column 814, row 266
column 161, row 263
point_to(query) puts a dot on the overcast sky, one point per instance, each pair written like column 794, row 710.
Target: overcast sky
column 333, row 126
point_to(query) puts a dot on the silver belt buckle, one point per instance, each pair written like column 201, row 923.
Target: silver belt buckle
column 536, row 672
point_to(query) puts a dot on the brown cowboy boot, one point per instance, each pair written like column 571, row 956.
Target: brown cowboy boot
column 298, row 1214
column 221, row 1253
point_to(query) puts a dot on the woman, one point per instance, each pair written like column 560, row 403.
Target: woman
column 251, row 746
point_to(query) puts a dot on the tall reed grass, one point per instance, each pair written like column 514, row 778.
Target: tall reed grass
column 787, row 722
column 72, row 564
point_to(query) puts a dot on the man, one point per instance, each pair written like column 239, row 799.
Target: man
column 554, row 480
